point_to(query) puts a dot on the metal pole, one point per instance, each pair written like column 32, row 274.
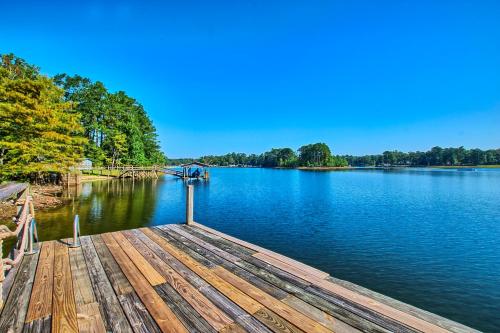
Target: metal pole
column 189, row 204
column 31, row 237
column 76, row 232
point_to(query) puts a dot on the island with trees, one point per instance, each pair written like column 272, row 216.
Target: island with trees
column 311, row 155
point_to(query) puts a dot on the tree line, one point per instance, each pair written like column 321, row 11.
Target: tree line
column 319, row 155
column 49, row 124
column 436, row 156
column 312, row 155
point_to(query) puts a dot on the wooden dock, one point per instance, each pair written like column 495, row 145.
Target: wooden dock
column 190, row 278
column 11, row 190
column 144, row 172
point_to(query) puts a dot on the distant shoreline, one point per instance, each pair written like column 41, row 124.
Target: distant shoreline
column 326, row 168
column 398, row 167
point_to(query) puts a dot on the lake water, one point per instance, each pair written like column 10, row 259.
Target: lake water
column 428, row 237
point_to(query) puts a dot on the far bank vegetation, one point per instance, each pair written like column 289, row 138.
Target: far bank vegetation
column 318, row 155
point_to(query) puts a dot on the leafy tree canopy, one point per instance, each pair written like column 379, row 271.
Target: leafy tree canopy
column 50, row 124
column 39, row 130
column 116, row 125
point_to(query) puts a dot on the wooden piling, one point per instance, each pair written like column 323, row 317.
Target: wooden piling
column 189, row 204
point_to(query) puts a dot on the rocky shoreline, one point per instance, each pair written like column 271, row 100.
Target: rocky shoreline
column 44, row 197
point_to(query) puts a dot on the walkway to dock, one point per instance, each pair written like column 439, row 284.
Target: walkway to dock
column 10, row 190
column 180, row 278
column 150, row 171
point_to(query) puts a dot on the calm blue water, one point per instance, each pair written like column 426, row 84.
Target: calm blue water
column 427, row 237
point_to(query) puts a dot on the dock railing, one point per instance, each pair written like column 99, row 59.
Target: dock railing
column 126, row 170
column 25, row 234
column 132, row 171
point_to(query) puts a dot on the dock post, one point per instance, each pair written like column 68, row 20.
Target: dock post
column 189, row 204
column 76, row 232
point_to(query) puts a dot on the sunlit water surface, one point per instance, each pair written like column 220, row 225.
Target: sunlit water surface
column 428, row 237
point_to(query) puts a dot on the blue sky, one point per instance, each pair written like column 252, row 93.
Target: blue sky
column 246, row 76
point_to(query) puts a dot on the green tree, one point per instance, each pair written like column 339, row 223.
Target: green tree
column 317, row 154
column 39, row 131
column 117, row 145
column 286, row 157
column 91, row 102
column 112, row 116
column 434, row 157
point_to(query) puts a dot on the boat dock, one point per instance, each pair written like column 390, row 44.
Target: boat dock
column 193, row 170
column 190, row 278
column 180, row 278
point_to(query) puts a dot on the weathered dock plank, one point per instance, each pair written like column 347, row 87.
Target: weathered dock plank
column 87, row 308
column 135, row 311
column 82, row 286
column 16, row 306
column 63, row 301
column 244, row 320
column 192, row 278
column 296, row 289
column 40, row 305
column 191, row 319
column 320, row 274
column 309, row 276
column 161, row 313
column 422, row 314
column 113, row 272
column 149, row 272
column 200, row 303
column 280, row 308
column 236, row 295
column 40, row 325
column 211, row 260
column 275, row 322
column 112, row 313
column 138, row 315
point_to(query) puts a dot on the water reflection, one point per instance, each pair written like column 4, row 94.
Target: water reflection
column 102, row 206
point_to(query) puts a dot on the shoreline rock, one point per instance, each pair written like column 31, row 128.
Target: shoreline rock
column 44, row 197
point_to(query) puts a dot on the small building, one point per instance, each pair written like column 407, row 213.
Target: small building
column 85, row 164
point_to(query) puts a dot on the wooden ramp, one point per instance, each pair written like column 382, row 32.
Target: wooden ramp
column 179, row 278
column 11, row 190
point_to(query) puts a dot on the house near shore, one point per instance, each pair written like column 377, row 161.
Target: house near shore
column 85, row 164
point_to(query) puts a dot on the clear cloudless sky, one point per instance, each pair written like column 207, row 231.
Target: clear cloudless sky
column 247, row 76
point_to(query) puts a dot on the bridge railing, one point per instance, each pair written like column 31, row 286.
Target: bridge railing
column 25, row 234
column 130, row 170
column 125, row 167
column 107, row 170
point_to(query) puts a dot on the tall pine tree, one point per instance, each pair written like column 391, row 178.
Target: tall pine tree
column 117, row 126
